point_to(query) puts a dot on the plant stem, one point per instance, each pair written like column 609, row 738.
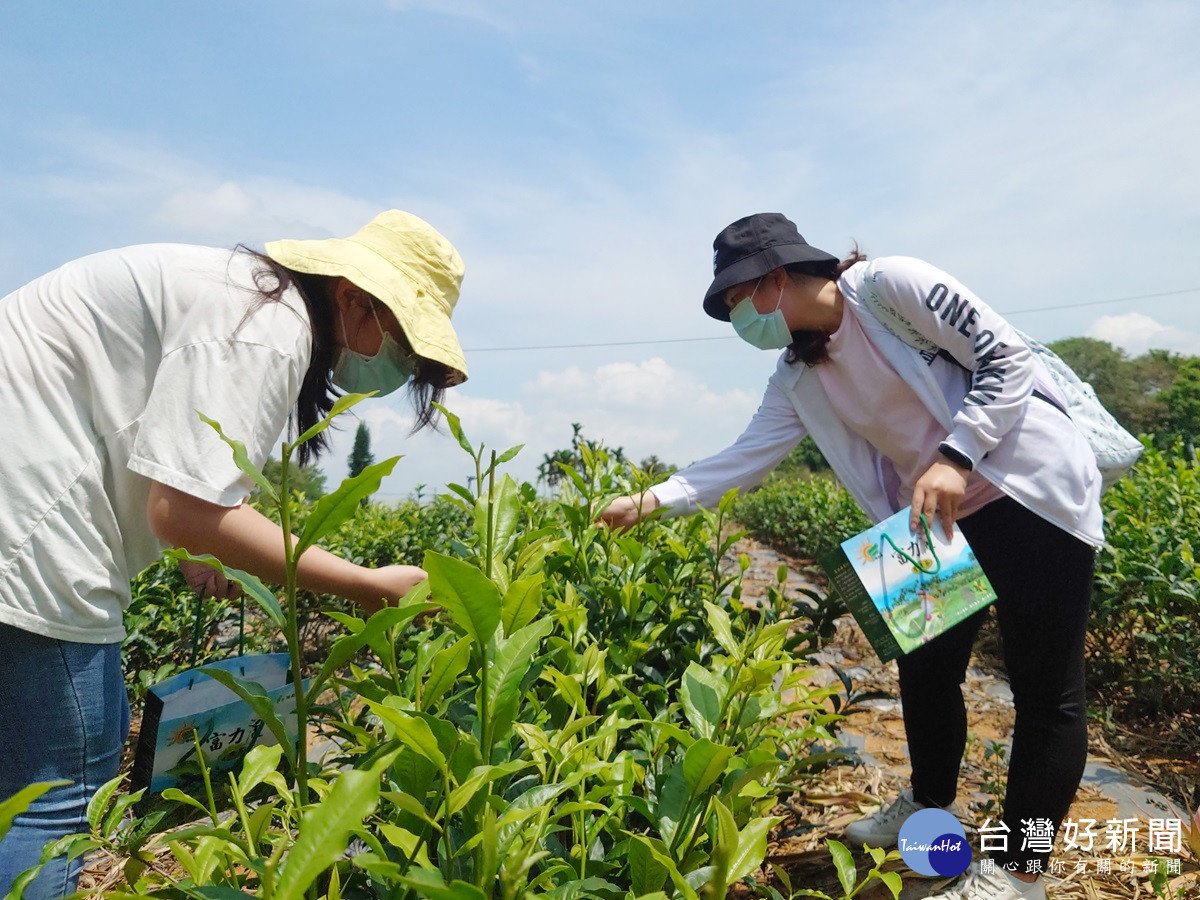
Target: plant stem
column 208, row 791
column 293, row 629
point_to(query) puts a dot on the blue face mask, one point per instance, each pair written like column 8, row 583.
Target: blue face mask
column 390, row 368
column 766, row 331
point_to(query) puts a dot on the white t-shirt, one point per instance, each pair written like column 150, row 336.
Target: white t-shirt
column 104, row 364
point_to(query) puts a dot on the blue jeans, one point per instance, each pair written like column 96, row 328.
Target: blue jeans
column 64, row 715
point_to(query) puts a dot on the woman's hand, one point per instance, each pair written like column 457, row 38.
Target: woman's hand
column 389, row 584
column 208, row 582
column 625, row 512
column 939, row 491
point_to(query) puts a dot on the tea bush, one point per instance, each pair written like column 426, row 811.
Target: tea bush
column 168, row 629
column 806, row 518
column 1144, row 635
column 589, row 714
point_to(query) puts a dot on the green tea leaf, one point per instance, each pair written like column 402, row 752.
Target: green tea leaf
column 568, row 688
column 412, row 731
column 253, row 588
column 513, row 659
column 843, row 861
column 724, row 848
column 893, row 882
column 537, row 798
column 345, row 647
column 447, row 665
column 242, row 459
column 406, row 841
column 466, row 496
column 703, row 764
column 506, row 510
column 703, row 694
column 429, row 883
column 456, row 429
column 681, row 885
column 672, row 802
column 23, row 799
column 751, row 847
column 509, row 454
column 325, row 829
column 340, row 405
column 99, row 802
column 119, row 807
column 522, row 602
column 467, row 595
column 180, row 797
column 333, row 509
column 646, row 873
column 718, row 621
column 259, row 762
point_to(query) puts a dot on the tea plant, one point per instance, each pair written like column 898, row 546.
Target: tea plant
column 1144, row 634
column 847, row 874
column 587, row 713
column 802, row 517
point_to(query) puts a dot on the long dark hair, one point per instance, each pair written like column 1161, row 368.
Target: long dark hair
column 810, row 347
column 317, row 392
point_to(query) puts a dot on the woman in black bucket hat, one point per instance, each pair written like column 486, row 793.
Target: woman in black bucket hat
column 921, row 396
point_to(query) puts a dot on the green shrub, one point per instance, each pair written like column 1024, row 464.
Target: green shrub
column 389, row 534
column 804, row 518
column 1144, row 638
column 589, row 714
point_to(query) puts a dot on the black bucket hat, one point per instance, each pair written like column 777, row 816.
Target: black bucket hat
column 752, row 247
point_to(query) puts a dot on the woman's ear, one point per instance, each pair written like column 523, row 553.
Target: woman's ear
column 347, row 294
column 776, row 279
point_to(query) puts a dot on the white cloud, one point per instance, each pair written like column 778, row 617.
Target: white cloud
column 1136, row 333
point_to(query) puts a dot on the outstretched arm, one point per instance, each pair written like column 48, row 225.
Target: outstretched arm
column 243, row 538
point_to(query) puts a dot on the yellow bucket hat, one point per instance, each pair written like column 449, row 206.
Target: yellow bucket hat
column 402, row 261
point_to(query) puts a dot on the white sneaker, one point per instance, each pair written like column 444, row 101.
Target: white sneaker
column 999, row 885
column 882, row 829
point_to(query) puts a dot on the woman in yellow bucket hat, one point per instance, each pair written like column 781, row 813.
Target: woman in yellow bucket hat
column 104, row 364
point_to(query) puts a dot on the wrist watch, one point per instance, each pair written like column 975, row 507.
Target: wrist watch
column 956, row 456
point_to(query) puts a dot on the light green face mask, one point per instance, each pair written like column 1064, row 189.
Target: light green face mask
column 388, row 369
column 766, row 331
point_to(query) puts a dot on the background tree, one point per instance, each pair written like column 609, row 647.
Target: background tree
column 550, row 469
column 1133, row 390
column 1182, row 403
column 360, row 454
column 656, row 468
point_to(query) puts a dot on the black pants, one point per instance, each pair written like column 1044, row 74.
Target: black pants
column 1043, row 582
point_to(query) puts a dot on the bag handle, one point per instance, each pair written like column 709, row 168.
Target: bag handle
column 199, row 620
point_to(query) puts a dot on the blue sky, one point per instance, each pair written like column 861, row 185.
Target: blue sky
column 582, row 156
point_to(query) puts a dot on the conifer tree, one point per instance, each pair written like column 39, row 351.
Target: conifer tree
column 361, row 455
